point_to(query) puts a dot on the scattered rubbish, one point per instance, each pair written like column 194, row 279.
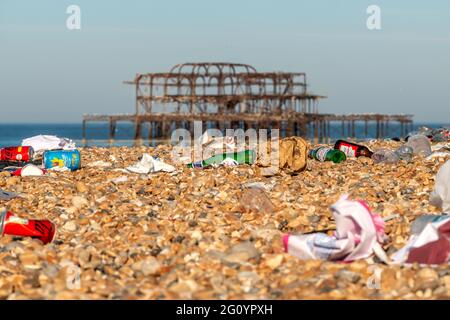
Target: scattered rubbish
column 359, row 234
column 440, row 196
column 430, row 246
column 256, row 200
column 293, row 154
column 7, row 165
column 421, row 222
column 10, row 224
column 327, row 154
column 440, row 135
column 385, row 156
column 148, row 164
column 41, row 143
column 352, row 149
column 242, row 157
column 388, row 156
column 24, row 154
column 7, row 195
column 62, row 158
column 405, row 152
column 420, row 144
column 438, row 155
column 435, row 135
column 30, row 170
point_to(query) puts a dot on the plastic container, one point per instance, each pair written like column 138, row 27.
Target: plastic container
column 420, row 144
column 385, row 156
column 405, row 153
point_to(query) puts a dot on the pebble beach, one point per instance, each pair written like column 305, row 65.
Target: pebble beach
column 204, row 234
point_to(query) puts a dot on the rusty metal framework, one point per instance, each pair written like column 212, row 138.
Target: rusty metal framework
column 222, row 88
column 233, row 95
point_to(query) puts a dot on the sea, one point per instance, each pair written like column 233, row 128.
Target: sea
column 97, row 133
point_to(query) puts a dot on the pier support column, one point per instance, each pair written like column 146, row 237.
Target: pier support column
column 112, row 130
column 83, row 126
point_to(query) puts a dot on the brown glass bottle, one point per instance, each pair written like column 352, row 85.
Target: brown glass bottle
column 352, row 149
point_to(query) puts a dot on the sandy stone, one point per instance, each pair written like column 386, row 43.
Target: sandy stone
column 79, row 202
column 70, row 226
column 81, row 187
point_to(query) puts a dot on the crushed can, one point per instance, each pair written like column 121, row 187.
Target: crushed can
column 43, row 230
column 62, row 158
column 22, row 153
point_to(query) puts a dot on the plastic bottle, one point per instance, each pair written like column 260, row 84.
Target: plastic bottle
column 352, row 149
column 420, row 144
column 420, row 223
column 247, row 156
column 404, row 153
column 385, row 156
column 327, row 154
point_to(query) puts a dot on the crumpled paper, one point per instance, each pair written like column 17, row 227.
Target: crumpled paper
column 148, row 164
column 359, row 234
column 48, row 142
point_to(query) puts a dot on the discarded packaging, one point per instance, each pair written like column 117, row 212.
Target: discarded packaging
column 48, row 142
column 430, row 246
column 359, row 234
column 24, row 154
column 29, row 170
column 148, row 164
column 420, row 144
column 62, row 158
column 10, row 224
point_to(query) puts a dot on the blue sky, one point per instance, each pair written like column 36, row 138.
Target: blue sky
column 51, row 74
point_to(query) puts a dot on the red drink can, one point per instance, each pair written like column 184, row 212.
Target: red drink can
column 10, row 224
column 24, row 154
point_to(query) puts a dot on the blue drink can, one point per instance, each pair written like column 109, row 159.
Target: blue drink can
column 62, row 158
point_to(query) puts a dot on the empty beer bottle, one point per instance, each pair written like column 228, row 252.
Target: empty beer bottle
column 327, row 154
column 242, row 157
column 352, row 149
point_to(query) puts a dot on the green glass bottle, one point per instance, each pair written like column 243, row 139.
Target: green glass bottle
column 242, row 157
column 327, row 154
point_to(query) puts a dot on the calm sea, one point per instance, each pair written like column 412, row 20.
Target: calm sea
column 12, row 134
